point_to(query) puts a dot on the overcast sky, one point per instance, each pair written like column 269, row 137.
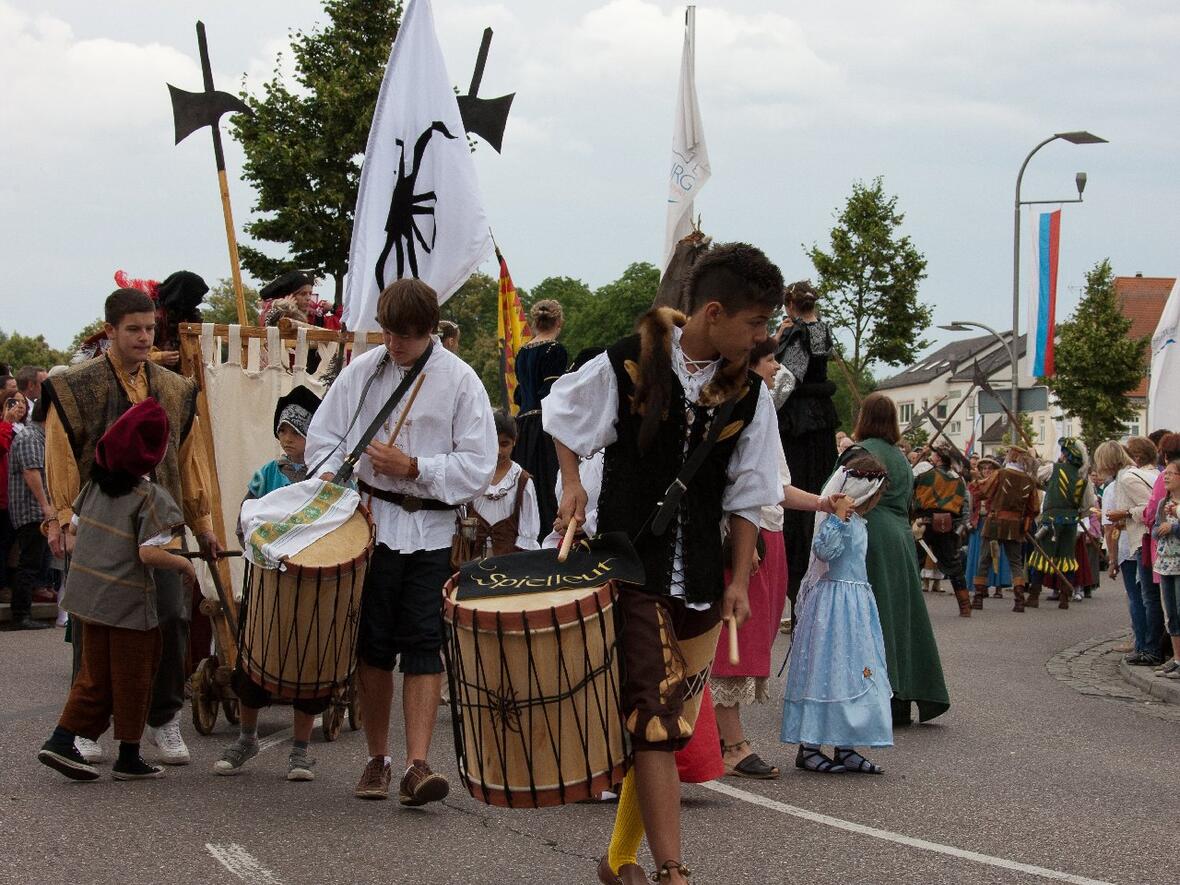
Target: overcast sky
column 799, row 99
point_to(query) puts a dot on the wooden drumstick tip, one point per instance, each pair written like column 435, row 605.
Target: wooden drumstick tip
column 734, row 657
column 568, row 541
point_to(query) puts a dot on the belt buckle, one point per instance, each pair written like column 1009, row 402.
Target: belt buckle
column 411, row 503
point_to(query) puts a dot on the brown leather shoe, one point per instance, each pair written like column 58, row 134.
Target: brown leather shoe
column 374, row 782
column 628, row 874
column 421, row 785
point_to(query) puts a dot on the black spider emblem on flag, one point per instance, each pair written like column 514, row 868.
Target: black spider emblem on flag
column 406, row 207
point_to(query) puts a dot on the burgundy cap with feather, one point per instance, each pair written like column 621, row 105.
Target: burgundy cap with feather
column 136, row 442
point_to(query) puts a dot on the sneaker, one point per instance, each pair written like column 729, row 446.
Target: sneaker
column 421, row 785
column 167, row 739
column 235, row 756
column 299, row 766
column 1167, row 668
column 1145, row 660
column 90, row 750
column 1077, row 596
column 67, row 760
column 374, row 782
column 28, row 624
column 135, row 770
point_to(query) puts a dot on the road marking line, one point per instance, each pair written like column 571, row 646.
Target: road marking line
column 242, row 863
column 886, row 835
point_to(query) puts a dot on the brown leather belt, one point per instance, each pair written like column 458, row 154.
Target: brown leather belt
column 408, row 503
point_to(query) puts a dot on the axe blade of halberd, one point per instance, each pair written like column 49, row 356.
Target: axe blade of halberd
column 486, row 117
column 193, row 110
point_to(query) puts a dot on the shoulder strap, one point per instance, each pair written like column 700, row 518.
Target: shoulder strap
column 672, row 495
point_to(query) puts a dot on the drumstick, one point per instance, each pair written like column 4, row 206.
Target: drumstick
column 568, row 541
column 734, row 658
column 397, row 428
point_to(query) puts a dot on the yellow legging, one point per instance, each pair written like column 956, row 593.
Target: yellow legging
column 628, row 833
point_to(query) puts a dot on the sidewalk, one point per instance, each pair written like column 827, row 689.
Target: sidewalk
column 1144, row 679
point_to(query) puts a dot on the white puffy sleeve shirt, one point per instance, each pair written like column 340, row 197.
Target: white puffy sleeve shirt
column 496, row 502
column 449, row 430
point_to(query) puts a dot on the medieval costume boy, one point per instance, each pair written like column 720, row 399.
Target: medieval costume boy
column 940, row 506
column 1010, row 499
column 1069, row 494
column 123, row 523
column 651, row 401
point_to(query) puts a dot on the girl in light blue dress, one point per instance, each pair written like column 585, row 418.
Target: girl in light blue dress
column 837, row 683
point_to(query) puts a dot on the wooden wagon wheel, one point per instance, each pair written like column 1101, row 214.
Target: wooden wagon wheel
column 333, row 716
column 355, row 713
column 206, row 696
column 233, row 714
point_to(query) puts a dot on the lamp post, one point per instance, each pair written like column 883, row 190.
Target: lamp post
column 1081, row 137
column 1009, row 346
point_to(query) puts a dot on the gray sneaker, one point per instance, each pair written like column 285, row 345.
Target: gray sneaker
column 235, row 756
column 300, row 766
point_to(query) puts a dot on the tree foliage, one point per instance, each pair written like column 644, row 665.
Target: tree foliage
column 305, row 144
column 847, row 401
column 17, row 350
column 916, row 437
column 610, row 313
column 1026, row 425
column 221, row 306
column 869, row 280
column 1097, row 362
column 91, row 328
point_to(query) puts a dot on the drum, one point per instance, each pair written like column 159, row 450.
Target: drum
column 297, row 633
column 534, row 685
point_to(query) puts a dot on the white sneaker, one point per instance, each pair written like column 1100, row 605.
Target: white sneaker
column 91, row 750
column 167, row 739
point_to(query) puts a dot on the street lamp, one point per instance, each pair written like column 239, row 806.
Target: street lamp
column 1009, row 346
column 1080, row 137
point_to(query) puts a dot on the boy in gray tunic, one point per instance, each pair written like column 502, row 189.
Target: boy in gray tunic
column 123, row 522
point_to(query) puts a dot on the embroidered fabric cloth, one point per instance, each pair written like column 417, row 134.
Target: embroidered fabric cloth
column 291, row 518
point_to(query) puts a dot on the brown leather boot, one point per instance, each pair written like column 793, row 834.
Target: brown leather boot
column 1063, row 598
column 964, row 600
column 1018, row 598
column 980, row 596
column 1033, row 600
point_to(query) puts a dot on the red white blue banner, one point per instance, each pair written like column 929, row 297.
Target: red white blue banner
column 1043, row 322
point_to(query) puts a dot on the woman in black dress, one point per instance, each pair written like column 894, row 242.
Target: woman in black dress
column 539, row 363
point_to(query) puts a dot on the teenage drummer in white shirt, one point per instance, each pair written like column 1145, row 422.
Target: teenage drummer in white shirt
column 444, row 456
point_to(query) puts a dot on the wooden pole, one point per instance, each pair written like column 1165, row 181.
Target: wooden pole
column 232, row 241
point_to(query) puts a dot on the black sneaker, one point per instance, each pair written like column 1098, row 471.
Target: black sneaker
column 135, row 770
column 66, row 759
column 28, row 624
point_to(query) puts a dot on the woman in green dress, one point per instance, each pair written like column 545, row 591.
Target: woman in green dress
column 915, row 671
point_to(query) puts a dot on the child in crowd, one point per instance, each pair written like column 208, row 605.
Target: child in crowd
column 837, row 685
column 292, row 417
column 122, row 524
column 507, row 515
column 1167, row 562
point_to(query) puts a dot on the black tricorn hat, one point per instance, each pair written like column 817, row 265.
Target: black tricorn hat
column 285, row 284
column 299, row 396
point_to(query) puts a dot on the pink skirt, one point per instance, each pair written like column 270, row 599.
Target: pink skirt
column 768, row 595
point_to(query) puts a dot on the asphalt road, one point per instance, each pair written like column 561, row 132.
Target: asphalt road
column 1032, row 776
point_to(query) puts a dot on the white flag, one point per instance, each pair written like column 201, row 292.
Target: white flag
column 419, row 212
column 690, row 158
column 1163, row 398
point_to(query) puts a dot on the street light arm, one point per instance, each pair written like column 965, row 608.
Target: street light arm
column 1024, row 165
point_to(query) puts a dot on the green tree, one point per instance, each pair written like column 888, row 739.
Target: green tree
column 846, row 400
column 304, row 145
column 610, row 313
column 473, row 308
column 1097, row 363
column 870, row 279
column 221, row 305
column 17, row 350
column 917, row 437
column 1026, row 425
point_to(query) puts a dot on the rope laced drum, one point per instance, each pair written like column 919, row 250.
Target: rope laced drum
column 297, row 635
column 534, row 677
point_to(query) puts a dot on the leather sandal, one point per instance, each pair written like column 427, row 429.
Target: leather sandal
column 856, row 763
column 812, row 759
column 754, row 768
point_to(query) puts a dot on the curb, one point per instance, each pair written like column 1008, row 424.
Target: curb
column 1144, row 679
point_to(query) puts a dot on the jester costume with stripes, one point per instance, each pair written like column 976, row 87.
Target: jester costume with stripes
column 1067, row 494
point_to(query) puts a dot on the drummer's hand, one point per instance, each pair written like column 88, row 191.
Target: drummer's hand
column 210, row 546
column 736, row 602
column 573, row 506
column 389, row 460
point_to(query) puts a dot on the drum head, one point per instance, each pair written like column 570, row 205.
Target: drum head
column 541, row 601
column 338, row 546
